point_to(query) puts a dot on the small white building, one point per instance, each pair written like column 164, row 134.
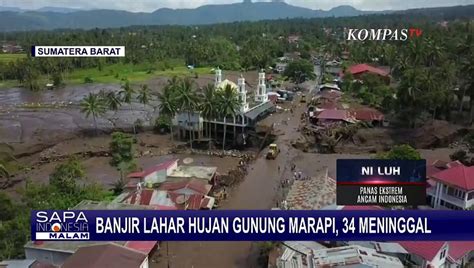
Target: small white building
column 353, row 256
column 452, row 187
column 297, row 254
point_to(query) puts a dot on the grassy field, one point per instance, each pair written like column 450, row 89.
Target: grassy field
column 134, row 73
column 11, row 57
column 118, row 72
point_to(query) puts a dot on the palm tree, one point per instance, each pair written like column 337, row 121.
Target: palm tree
column 126, row 94
column 208, row 107
column 113, row 101
column 93, row 105
column 144, row 95
column 167, row 104
column 228, row 105
column 187, row 101
column 434, row 52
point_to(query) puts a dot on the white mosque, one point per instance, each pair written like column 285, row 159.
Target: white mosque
column 250, row 112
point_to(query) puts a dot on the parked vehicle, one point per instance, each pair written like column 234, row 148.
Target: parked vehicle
column 273, row 151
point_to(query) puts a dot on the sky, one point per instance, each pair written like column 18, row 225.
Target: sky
column 151, row 5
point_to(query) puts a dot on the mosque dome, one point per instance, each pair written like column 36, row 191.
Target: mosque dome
column 226, row 82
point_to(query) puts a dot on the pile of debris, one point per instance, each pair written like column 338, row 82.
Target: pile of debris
column 326, row 138
column 436, row 133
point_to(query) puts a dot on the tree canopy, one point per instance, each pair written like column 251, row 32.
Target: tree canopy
column 401, row 152
column 299, row 71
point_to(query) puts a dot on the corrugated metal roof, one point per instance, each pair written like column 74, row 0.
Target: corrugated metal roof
column 148, row 171
column 107, row 255
column 143, row 246
column 425, row 249
column 258, row 110
column 460, row 176
column 305, row 247
column 334, row 115
column 200, row 172
column 361, row 68
column 389, row 247
column 353, row 255
column 196, row 185
column 367, row 114
column 458, row 249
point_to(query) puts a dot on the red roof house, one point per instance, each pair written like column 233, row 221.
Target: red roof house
column 459, row 251
column 193, row 186
column 360, row 69
column 334, row 115
column 367, row 114
column 427, row 250
column 193, row 201
column 459, row 176
column 168, row 165
column 159, row 200
column 154, row 174
column 144, row 246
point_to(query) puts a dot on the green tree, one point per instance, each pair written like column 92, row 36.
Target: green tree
column 208, row 107
column 187, row 101
column 144, row 95
column 113, row 101
column 121, row 149
column 168, row 104
column 162, row 122
column 126, row 93
column 299, row 71
column 401, row 152
column 95, row 106
column 65, row 175
column 459, row 155
column 228, row 104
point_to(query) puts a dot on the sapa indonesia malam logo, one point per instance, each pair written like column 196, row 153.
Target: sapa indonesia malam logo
column 382, row 34
column 60, row 225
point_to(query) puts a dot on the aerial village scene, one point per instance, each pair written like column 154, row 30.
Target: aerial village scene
column 245, row 115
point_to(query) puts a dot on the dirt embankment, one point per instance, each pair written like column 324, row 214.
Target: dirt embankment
column 364, row 139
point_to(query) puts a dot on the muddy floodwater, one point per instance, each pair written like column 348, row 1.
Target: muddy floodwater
column 49, row 125
column 32, row 121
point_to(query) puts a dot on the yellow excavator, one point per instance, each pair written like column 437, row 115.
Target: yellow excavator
column 273, row 151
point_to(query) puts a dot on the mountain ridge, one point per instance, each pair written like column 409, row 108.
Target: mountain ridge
column 67, row 18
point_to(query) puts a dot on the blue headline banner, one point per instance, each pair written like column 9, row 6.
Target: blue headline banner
column 252, row 225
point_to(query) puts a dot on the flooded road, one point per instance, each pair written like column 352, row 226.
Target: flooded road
column 259, row 190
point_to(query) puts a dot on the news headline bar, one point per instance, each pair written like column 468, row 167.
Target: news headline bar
column 253, row 225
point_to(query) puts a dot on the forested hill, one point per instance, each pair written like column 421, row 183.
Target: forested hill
column 208, row 14
column 48, row 19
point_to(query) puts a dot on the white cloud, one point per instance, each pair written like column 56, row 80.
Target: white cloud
column 151, row 5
